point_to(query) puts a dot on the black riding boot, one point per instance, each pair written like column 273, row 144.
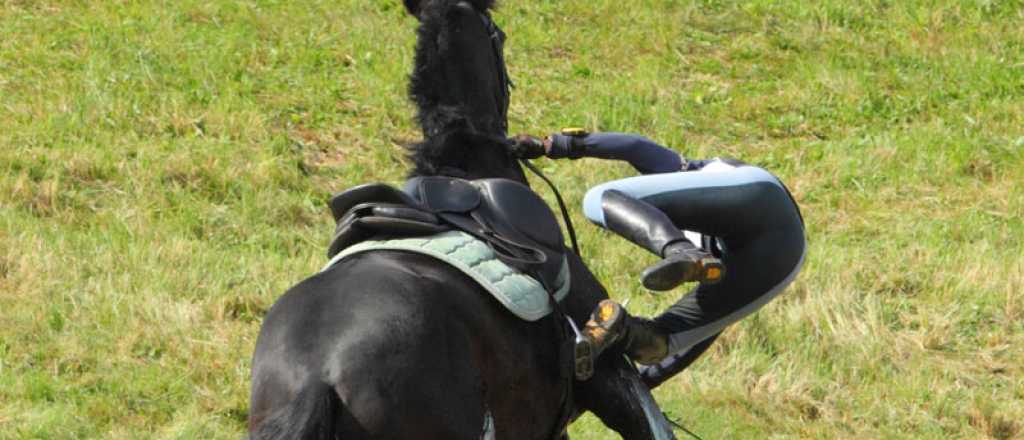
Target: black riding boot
column 651, row 229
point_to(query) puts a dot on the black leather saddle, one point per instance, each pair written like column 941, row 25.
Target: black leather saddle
column 513, row 220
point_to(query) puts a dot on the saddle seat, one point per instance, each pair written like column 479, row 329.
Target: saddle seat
column 506, row 215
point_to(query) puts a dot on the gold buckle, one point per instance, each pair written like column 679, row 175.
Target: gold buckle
column 574, row 131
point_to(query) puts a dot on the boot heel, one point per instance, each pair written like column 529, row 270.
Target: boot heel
column 683, row 264
column 583, row 356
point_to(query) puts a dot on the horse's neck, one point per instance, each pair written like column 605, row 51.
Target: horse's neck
column 473, row 160
column 515, row 175
column 508, row 170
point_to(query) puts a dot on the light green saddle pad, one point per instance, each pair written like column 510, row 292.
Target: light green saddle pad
column 521, row 294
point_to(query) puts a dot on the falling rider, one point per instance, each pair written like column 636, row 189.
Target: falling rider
column 752, row 247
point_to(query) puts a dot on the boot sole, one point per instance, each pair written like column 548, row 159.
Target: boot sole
column 608, row 317
column 668, row 275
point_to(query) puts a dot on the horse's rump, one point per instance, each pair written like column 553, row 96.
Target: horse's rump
column 411, row 347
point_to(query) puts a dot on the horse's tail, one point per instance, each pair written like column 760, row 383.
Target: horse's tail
column 312, row 415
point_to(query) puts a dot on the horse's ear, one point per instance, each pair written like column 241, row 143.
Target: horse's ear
column 413, row 6
column 483, row 5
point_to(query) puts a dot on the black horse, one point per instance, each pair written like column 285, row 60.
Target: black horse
column 388, row 344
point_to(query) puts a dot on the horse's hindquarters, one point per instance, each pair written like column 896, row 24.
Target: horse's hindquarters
column 410, row 348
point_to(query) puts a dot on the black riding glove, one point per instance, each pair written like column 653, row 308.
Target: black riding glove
column 567, row 144
column 524, row 146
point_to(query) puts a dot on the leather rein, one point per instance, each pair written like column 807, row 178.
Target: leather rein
column 561, row 205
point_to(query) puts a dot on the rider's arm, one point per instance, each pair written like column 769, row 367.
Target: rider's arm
column 643, row 154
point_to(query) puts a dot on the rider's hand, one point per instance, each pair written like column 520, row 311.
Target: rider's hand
column 525, row 146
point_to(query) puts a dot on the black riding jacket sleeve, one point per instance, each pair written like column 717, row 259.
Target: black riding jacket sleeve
column 645, row 155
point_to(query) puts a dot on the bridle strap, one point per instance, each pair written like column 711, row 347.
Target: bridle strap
column 497, row 39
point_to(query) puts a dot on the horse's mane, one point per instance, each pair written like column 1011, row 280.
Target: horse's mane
column 451, row 141
column 452, row 152
column 426, row 83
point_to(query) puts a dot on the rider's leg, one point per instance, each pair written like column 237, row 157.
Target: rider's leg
column 651, row 229
column 763, row 257
column 761, row 238
column 716, row 202
column 759, row 271
column 656, row 373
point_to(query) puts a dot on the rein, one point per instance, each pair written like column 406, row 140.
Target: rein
column 561, row 205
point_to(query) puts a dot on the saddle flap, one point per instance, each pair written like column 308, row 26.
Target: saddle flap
column 518, row 215
column 521, row 210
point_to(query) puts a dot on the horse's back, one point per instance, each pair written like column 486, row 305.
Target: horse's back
column 409, row 348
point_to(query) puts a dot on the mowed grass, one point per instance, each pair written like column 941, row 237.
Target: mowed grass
column 164, row 169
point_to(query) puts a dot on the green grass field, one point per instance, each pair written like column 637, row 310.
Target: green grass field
column 164, row 169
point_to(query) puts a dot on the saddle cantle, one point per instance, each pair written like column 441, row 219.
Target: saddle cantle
column 506, row 215
column 375, row 209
